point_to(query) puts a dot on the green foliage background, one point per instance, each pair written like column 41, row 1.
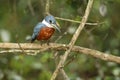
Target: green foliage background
column 17, row 20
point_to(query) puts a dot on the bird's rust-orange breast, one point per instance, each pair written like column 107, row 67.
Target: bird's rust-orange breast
column 45, row 33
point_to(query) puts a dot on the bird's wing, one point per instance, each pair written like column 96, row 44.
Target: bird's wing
column 36, row 31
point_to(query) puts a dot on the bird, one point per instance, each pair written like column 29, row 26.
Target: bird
column 45, row 29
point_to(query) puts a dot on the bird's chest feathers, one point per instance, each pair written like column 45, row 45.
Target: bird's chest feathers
column 45, row 33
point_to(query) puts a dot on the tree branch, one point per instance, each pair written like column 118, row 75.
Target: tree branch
column 31, row 8
column 47, row 7
column 74, row 21
column 30, row 48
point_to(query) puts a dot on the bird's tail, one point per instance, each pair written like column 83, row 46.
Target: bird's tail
column 30, row 39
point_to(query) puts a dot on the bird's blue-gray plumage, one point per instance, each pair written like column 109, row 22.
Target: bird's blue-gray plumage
column 36, row 30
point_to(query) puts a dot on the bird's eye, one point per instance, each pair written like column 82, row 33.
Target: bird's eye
column 50, row 21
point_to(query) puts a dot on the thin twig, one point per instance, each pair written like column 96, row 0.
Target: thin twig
column 74, row 21
column 71, row 59
column 47, row 7
column 61, row 36
column 21, row 47
column 73, row 40
column 64, row 75
column 31, row 8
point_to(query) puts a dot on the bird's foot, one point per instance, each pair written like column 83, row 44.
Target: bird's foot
column 48, row 42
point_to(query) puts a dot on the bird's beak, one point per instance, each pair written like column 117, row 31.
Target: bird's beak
column 56, row 25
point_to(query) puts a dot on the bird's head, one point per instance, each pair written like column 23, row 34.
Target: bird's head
column 50, row 21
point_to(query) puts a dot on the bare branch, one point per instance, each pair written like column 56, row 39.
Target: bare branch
column 31, row 8
column 64, row 75
column 74, row 21
column 37, row 48
column 73, row 40
column 47, row 7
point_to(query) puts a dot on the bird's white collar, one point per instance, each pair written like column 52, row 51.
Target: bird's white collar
column 47, row 24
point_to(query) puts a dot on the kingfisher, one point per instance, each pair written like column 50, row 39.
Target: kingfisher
column 45, row 29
